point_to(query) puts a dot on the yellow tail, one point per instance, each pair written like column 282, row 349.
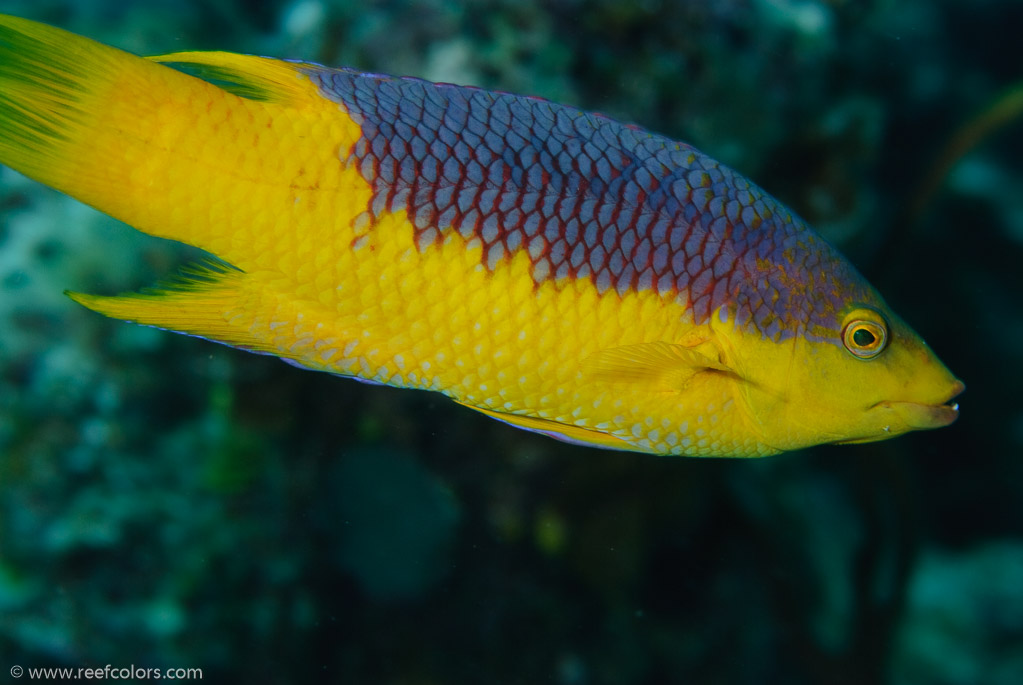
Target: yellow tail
column 216, row 163
column 238, row 155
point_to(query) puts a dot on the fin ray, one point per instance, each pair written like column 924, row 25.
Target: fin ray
column 201, row 301
column 247, row 76
column 655, row 363
column 47, row 76
column 575, row 435
column 150, row 145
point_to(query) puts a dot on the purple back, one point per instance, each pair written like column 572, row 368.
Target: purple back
column 588, row 197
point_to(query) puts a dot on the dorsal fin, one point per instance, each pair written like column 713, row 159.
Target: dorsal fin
column 247, row 76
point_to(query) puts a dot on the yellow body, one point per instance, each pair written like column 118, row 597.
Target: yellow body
column 258, row 182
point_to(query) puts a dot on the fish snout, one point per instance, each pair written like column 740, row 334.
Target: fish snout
column 922, row 415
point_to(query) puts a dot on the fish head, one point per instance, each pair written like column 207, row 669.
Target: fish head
column 896, row 383
column 866, row 377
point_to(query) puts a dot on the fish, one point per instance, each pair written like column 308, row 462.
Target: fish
column 549, row 267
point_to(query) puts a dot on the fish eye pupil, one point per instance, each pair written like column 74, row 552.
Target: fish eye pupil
column 863, row 337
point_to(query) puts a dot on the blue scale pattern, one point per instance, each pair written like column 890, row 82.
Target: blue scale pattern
column 588, row 197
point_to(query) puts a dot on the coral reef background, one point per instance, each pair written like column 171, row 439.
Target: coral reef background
column 167, row 502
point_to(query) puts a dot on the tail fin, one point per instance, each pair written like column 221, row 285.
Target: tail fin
column 209, row 157
column 48, row 79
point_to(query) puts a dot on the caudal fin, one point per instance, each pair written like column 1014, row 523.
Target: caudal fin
column 205, row 148
column 51, row 85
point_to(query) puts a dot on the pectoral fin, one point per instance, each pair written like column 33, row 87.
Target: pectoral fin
column 660, row 364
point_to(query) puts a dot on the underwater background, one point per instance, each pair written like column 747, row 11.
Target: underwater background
column 168, row 502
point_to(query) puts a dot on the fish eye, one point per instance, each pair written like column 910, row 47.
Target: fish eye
column 865, row 334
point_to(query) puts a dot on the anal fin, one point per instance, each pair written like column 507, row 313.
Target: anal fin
column 207, row 301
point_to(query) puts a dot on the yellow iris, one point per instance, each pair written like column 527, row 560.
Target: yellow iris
column 865, row 333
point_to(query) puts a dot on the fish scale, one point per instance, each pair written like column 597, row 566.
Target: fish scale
column 596, row 177
column 550, row 268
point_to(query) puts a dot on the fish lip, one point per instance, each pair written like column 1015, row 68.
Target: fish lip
column 920, row 415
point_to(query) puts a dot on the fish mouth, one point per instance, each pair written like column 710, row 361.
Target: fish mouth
column 921, row 416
